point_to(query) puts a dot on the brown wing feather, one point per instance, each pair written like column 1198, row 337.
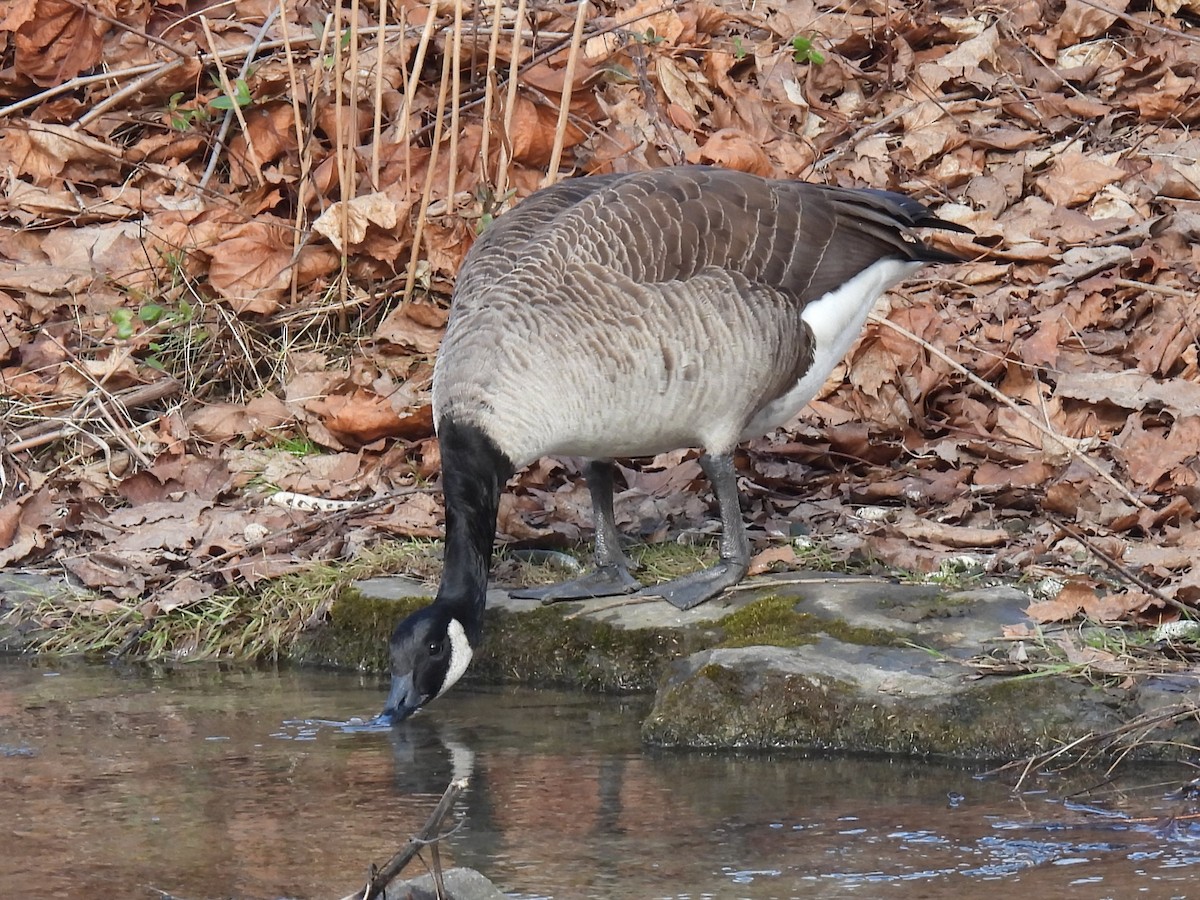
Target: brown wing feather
column 669, row 224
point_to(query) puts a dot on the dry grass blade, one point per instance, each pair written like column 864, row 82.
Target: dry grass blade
column 564, row 109
column 1115, row 744
column 49, row 430
column 510, row 102
column 427, row 194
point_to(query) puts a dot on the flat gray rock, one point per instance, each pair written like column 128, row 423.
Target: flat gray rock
column 460, row 884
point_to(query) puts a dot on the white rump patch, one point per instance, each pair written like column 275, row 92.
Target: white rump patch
column 460, row 655
column 836, row 320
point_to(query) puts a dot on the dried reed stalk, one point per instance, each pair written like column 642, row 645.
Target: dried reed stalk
column 377, row 121
column 419, row 229
column 564, row 109
column 303, row 151
column 255, row 163
column 413, row 78
column 510, row 102
column 456, row 91
column 489, row 95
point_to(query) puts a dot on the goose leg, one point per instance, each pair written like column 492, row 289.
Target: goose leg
column 692, row 590
column 612, row 565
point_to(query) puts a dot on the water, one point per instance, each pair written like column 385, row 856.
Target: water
column 205, row 784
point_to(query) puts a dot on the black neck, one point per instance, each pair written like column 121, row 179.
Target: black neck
column 473, row 474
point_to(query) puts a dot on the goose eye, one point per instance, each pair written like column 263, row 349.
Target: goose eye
column 435, row 648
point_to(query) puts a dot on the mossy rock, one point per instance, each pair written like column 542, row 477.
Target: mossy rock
column 775, row 621
column 356, row 635
column 544, row 646
column 821, row 697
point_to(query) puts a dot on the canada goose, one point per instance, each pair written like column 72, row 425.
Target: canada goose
column 625, row 315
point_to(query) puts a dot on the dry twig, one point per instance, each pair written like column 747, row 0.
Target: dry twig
column 428, row 834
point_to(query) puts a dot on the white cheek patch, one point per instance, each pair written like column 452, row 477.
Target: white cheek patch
column 460, row 655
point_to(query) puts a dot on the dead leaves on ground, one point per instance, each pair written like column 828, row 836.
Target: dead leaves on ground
column 263, row 274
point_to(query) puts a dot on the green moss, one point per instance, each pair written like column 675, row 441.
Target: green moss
column 774, row 621
column 866, row 637
column 723, row 678
column 771, row 620
column 356, row 635
column 543, row 646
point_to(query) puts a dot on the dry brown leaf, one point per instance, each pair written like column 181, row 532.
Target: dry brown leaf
column 123, row 575
column 399, row 328
column 963, row 61
column 766, row 560
column 1150, row 454
column 357, row 215
column 418, row 515
column 733, row 149
column 101, row 606
column 1132, row 390
column 25, row 525
column 1080, row 21
column 665, row 23
column 1169, row 97
column 363, row 416
column 272, row 130
column 182, row 593
column 1076, row 178
column 47, row 152
column 251, row 265
column 1066, row 605
column 218, row 421
column 57, row 40
column 1171, row 7
column 13, row 325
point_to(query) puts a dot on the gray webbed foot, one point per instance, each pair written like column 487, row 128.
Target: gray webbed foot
column 692, row 590
column 606, row 581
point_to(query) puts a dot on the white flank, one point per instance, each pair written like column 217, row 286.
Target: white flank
column 460, row 655
column 836, row 320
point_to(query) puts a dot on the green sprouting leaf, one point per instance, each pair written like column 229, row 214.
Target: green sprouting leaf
column 123, row 319
column 151, row 313
column 241, row 96
column 803, row 51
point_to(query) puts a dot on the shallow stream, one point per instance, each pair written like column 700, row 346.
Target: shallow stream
column 200, row 783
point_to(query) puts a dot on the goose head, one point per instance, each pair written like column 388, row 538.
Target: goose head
column 429, row 651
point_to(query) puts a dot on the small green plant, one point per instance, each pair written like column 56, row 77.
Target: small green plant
column 343, row 42
column 241, row 97
column 647, row 37
column 297, row 445
column 490, row 203
column 182, row 334
column 953, row 573
column 803, row 51
column 177, row 330
column 181, row 118
column 739, row 48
